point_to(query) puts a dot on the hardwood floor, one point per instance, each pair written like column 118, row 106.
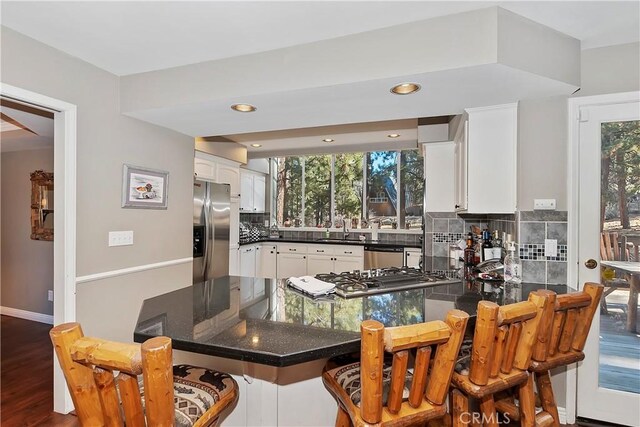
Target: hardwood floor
column 26, row 365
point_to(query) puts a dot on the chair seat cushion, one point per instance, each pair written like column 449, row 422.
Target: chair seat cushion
column 348, row 377
column 195, row 391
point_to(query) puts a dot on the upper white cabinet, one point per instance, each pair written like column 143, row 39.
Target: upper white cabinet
column 438, row 166
column 217, row 169
column 252, row 191
column 485, row 160
column 204, row 168
column 229, row 174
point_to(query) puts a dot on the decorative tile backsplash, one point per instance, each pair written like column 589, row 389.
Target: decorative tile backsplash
column 446, row 237
column 535, row 252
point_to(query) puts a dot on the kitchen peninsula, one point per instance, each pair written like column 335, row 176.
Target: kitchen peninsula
column 276, row 341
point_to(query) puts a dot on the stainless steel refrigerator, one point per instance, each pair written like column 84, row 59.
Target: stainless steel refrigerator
column 211, row 209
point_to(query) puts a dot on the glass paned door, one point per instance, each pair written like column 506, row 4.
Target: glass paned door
column 609, row 237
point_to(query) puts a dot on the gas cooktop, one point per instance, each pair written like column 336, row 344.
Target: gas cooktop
column 357, row 283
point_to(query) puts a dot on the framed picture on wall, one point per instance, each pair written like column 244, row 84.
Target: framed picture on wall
column 144, row 188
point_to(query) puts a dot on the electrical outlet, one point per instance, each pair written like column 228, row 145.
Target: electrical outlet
column 550, row 247
column 544, row 204
column 50, row 295
column 120, row 238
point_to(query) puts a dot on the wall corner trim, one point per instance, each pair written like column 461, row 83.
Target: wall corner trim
column 27, row 315
column 130, row 270
column 562, row 414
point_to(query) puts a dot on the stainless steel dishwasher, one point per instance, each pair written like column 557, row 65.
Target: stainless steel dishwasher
column 381, row 257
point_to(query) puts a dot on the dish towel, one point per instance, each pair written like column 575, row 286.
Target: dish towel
column 312, row 286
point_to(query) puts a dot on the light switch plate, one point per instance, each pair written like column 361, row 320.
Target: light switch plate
column 550, row 247
column 544, row 204
column 120, row 238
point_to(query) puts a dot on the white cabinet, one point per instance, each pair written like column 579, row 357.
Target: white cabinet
column 204, row 168
column 291, row 264
column 234, row 223
column 439, row 177
column 266, row 261
column 412, row 257
column 317, row 264
column 229, row 174
column 252, row 191
column 347, row 263
column 485, row 160
column 234, row 261
column 248, row 261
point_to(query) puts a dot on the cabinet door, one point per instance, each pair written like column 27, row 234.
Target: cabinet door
column 227, row 174
column 266, row 260
column 439, row 171
column 248, row 261
column 291, row 264
column 318, row 264
column 412, row 258
column 259, row 190
column 234, row 262
column 246, row 191
column 234, row 223
column 461, row 169
column 204, row 169
column 347, row 263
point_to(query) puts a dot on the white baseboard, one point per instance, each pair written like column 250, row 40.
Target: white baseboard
column 562, row 414
column 27, row 315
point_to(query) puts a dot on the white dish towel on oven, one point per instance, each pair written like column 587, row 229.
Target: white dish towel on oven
column 312, row 286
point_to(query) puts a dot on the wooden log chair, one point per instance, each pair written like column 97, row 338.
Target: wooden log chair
column 613, row 249
column 503, row 341
column 564, row 327
column 370, row 392
column 181, row 395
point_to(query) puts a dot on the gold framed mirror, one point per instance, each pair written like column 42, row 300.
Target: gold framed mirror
column 41, row 205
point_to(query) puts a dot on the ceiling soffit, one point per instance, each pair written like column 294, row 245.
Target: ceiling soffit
column 346, row 80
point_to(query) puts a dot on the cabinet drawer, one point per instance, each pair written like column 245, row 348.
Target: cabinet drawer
column 350, row 251
column 292, row 248
column 321, row 250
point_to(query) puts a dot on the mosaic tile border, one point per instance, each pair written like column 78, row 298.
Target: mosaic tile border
column 439, row 237
column 535, row 252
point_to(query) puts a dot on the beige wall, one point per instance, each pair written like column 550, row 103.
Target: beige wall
column 542, row 123
column 27, row 265
column 105, row 140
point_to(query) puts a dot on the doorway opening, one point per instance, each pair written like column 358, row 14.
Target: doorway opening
column 64, row 219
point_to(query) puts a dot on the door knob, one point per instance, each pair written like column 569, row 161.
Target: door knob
column 591, row 264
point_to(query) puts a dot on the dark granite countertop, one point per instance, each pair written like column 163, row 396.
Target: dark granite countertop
column 263, row 321
column 367, row 242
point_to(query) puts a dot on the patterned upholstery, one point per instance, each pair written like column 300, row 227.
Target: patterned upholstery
column 348, row 377
column 195, row 391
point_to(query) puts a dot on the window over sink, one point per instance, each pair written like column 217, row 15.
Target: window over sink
column 326, row 191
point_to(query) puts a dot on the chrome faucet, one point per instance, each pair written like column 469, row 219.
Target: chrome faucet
column 345, row 233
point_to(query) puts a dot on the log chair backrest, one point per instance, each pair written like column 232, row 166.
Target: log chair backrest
column 433, row 386
column 566, row 321
column 88, row 365
column 504, row 337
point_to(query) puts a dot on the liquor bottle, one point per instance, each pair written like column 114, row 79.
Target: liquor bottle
column 497, row 245
column 487, row 247
column 512, row 265
column 469, row 252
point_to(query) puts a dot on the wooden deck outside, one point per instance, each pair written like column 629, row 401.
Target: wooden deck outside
column 619, row 349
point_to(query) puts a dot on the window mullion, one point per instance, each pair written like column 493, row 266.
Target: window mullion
column 398, row 188
column 303, row 195
column 332, row 190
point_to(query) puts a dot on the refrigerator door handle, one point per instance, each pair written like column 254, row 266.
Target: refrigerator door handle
column 207, row 235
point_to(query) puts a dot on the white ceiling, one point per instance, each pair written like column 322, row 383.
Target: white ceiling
column 133, row 37
column 34, row 131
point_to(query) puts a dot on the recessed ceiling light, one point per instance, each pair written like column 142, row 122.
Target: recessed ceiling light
column 405, row 88
column 243, row 108
column 328, row 140
column 393, row 135
column 256, row 145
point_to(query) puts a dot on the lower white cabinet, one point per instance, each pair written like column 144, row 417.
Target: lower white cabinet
column 266, row 261
column 248, row 260
column 317, row 264
column 347, row 263
column 412, row 257
column 234, row 261
column 291, row 264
